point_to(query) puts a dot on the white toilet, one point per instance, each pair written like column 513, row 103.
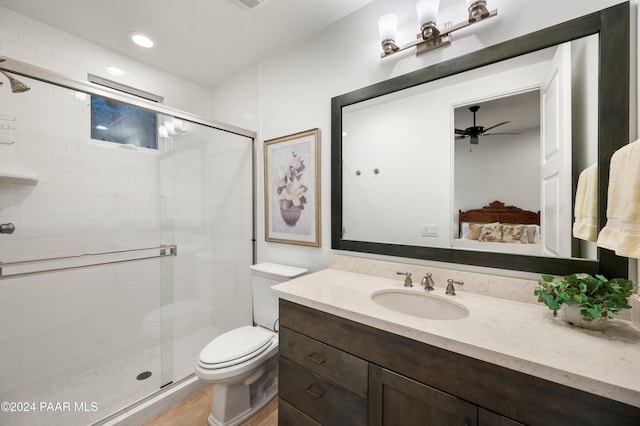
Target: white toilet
column 242, row 363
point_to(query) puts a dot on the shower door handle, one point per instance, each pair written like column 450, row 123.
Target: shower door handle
column 7, row 228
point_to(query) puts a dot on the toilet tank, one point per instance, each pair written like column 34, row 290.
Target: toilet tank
column 265, row 303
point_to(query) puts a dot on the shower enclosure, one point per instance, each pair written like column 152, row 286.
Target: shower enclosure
column 126, row 258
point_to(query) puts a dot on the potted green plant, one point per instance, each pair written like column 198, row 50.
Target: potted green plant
column 585, row 300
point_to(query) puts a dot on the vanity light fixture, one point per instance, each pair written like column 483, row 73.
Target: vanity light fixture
column 431, row 35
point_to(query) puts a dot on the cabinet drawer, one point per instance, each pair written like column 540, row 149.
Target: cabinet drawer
column 318, row 398
column 339, row 367
column 288, row 415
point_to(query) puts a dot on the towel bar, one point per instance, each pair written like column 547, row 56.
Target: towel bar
column 163, row 251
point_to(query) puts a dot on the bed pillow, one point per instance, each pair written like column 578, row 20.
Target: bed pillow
column 491, row 233
column 471, row 231
column 533, row 234
column 515, row 234
column 474, row 231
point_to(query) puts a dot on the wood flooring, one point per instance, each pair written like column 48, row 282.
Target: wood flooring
column 195, row 410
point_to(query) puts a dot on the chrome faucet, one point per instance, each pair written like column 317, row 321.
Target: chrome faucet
column 451, row 290
column 407, row 280
column 427, row 282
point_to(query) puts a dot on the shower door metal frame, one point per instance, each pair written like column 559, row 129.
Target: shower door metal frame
column 48, row 76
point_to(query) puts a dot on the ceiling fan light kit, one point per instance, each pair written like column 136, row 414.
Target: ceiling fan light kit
column 431, row 35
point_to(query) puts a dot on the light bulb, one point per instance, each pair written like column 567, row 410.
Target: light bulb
column 168, row 124
column 388, row 26
column 427, row 11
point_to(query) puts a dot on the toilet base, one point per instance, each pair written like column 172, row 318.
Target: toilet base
column 234, row 403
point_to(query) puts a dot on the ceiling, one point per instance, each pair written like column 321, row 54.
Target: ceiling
column 522, row 111
column 204, row 41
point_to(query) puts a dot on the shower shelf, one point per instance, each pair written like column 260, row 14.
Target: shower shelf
column 24, row 177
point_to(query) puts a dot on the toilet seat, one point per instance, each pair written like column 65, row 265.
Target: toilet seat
column 235, row 347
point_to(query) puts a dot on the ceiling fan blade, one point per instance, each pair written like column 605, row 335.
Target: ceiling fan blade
column 460, row 137
column 493, row 127
column 460, row 132
column 497, row 134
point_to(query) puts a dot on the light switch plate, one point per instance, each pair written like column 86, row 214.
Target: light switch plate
column 429, row 230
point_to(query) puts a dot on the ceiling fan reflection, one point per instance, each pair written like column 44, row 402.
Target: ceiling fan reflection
column 475, row 131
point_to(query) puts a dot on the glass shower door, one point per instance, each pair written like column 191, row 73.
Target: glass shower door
column 208, row 208
column 82, row 272
column 134, row 233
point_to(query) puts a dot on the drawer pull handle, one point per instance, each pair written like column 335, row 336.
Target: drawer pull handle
column 316, row 393
column 315, row 358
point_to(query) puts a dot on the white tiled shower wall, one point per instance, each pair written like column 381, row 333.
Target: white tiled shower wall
column 89, row 198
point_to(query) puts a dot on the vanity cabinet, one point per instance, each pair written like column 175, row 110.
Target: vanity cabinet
column 335, row 371
column 399, row 401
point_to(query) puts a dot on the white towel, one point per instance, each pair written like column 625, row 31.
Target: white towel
column 622, row 231
column 585, row 225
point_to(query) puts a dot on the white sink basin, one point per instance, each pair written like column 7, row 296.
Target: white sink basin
column 422, row 305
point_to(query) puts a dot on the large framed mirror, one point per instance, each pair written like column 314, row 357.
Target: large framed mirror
column 424, row 161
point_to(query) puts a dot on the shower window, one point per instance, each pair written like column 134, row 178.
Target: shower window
column 117, row 122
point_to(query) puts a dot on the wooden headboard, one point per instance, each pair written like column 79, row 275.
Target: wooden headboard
column 498, row 212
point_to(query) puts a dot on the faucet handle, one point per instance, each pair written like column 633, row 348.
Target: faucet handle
column 427, row 282
column 407, row 280
column 451, row 290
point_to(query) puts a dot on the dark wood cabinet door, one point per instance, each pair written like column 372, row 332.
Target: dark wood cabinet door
column 395, row 400
column 489, row 418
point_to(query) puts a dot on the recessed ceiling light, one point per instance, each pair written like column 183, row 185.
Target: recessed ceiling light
column 140, row 39
column 101, row 127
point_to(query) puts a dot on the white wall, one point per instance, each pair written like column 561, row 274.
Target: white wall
column 31, row 41
column 292, row 90
column 508, row 165
column 584, row 110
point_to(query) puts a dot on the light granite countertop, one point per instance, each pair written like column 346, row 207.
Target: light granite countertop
column 522, row 336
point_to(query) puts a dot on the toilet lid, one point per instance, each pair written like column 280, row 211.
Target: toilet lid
column 236, row 346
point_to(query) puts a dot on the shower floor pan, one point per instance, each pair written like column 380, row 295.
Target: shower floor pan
column 98, row 394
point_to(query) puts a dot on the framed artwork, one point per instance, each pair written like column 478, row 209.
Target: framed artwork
column 292, row 188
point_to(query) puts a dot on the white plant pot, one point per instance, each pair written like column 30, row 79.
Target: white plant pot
column 571, row 314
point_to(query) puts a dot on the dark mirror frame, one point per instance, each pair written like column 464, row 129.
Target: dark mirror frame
column 613, row 26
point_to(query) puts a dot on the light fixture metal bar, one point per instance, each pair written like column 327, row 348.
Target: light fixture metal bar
column 443, row 39
column 464, row 24
column 428, row 45
column 404, row 47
